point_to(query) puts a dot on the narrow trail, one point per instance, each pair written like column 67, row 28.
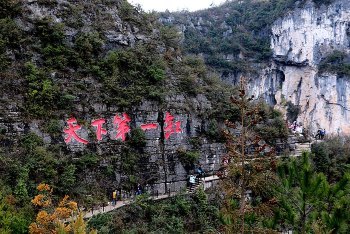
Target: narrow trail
column 300, row 148
column 205, row 182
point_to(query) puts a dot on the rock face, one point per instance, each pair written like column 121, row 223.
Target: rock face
column 162, row 167
column 159, row 164
column 309, row 33
column 299, row 41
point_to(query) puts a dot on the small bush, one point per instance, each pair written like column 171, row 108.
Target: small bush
column 53, row 127
column 87, row 161
column 126, row 11
column 42, row 94
column 292, row 111
column 10, row 37
column 30, row 141
column 188, row 158
column 137, row 138
column 67, row 178
column 87, row 46
column 272, row 130
column 336, row 62
column 170, row 36
column 322, row 160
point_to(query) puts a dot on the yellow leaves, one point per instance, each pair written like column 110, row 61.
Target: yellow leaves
column 51, row 219
column 63, row 201
column 63, row 212
column 35, row 229
column 43, row 217
column 44, row 187
column 41, row 200
column 72, row 205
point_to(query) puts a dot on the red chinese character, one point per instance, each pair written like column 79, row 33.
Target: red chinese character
column 169, row 126
column 71, row 131
column 122, row 126
column 99, row 130
column 149, row 126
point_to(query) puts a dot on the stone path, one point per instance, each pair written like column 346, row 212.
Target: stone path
column 120, row 204
column 300, row 148
column 205, row 182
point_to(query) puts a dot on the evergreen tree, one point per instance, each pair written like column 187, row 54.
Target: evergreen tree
column 247, row 167
column 307, row 201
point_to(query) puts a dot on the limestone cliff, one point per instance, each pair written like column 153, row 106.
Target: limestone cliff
column 302, row 36
column 96, row 60
column 299, row 42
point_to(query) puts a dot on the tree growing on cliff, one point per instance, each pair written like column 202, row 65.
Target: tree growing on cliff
column 247, row 168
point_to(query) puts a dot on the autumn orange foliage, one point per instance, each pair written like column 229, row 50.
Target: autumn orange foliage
column 50, row 219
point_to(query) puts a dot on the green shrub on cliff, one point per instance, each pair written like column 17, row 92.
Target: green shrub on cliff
column 53, row 48
column 180, row 214
column 132, row 75
column 10, row 37
column 238, row 28
column 42, row 93
column 10, row 8
column 336, row 62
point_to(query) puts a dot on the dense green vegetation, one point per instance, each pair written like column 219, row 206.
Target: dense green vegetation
column 273, row 126
column 308, row 201
column 52, row 69
column 336, row 62
column 240, row 28
column 291, row 194
column 332, row 157
column 49, row 75
column 181, row 214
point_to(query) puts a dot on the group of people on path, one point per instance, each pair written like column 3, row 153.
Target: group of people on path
column 192, row 178
column 296, row 128
column 199, row 173
column 117, row 195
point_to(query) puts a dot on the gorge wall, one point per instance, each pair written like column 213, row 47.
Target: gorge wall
column 300, row 41
column 302, row 35
column 98, row 60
